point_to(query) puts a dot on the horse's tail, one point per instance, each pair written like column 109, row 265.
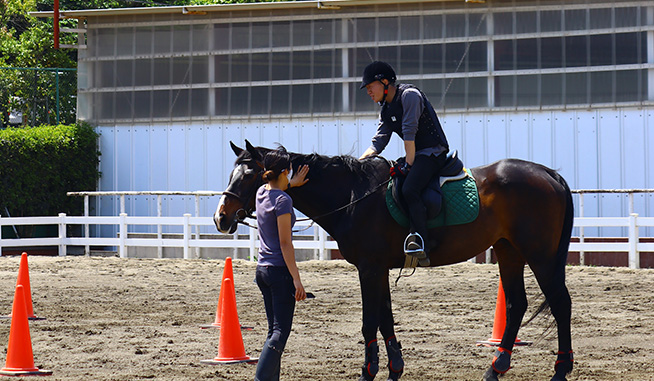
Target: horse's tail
column 566, row 232
column 561, row 258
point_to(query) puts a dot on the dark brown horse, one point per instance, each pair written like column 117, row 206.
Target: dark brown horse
column 526, row 214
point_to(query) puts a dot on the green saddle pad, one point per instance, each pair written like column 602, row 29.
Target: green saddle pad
column 460, row 204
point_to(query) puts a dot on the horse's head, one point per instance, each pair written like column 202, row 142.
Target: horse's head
column 237, row 201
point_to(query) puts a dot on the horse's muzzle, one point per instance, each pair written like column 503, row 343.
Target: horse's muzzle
column 224, row 224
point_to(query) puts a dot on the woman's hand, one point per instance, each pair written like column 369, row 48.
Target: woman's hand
column 300, row 294
column 298, row 178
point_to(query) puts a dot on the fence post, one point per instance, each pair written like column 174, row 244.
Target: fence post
column 159, row 231
column 634, row 255
column 187, row 229
column 582, row 255
column 235, row 249
column 62, row 234
column 87, row 248
column 1, row 236
column 253, row 250
column 122, row 250
column 322, row 237
column 197, row 228
column 316, row 237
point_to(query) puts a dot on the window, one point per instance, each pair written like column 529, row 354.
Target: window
column 259, row 100
column 181, row 38
column 240, row 36
column 260, row 35
column 551, row 52
column 162, row 39
column 302, row 33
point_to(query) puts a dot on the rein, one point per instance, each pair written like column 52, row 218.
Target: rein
column 347, row 205
column 313, row 220
column 389, row 162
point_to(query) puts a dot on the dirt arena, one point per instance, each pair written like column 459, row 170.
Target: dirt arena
column 136, row 319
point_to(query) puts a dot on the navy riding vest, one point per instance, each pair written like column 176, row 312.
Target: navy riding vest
column 430, row 133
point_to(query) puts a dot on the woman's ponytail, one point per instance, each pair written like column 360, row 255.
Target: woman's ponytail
column 268, row 175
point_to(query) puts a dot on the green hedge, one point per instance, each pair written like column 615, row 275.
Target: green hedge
column 39, row 165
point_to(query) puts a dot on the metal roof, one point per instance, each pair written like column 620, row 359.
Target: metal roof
column 202, row 9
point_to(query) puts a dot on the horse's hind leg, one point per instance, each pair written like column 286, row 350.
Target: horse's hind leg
column 552, row 282
column 512, row 275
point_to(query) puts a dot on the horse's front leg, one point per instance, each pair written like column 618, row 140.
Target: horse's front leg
column 386, row 327
column 370, row 278
column 378, row 315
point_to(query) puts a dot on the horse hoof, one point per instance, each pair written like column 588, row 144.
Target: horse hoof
column 394, row 376
column 558, row 377
column 490, row 375
column 366, row 377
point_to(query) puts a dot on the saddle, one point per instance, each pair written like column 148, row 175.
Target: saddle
column 451, row 198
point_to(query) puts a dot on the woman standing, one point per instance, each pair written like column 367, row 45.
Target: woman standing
column 277, row 274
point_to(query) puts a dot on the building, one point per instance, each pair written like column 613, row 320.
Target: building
column 566, row 83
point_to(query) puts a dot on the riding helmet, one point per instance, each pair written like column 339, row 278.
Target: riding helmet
column 377, row 71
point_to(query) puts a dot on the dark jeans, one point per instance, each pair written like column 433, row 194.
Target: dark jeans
column 423, row 169
column 276, row 285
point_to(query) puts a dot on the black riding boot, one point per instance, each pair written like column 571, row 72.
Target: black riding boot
column 269, row 364
column 371, row 364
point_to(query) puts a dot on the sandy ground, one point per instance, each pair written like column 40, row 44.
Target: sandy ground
column 135, row 319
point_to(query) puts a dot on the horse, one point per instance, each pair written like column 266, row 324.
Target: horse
column 525, row 214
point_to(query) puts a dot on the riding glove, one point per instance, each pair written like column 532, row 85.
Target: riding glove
column 400, row 169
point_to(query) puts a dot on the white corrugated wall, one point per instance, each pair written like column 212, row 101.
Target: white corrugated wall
column 604, row 148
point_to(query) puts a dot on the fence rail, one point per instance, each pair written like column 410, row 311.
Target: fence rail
column 188, row 241
column 322, row 244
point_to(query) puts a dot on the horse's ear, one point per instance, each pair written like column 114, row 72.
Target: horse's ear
column 253, row 151
column 236, row 149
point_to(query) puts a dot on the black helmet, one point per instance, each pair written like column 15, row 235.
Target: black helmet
column 377, row 71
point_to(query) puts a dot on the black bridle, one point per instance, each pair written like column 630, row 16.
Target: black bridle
column 242, row 213
column 245, row 212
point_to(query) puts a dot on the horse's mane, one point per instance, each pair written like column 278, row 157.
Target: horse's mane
column 317, row 163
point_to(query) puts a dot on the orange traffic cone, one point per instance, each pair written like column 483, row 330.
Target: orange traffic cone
column 24, row 280
column 230, row 346
column 20, row 359
column 228, row 272
column 499, row 324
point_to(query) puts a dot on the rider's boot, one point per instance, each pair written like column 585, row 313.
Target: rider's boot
column 414, row 246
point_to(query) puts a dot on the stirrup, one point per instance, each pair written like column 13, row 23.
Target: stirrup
column 414, row 247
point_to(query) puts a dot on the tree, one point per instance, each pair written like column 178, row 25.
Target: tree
column 27, row 42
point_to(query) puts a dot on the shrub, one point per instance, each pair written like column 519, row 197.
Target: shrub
column 38, row 165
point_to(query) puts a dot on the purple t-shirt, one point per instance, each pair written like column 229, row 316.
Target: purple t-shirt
column 271, row 204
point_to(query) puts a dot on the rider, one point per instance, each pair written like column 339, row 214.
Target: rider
column 406, row 111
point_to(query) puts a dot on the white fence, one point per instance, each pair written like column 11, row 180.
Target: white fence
column 188, row 241
column 191, row 240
